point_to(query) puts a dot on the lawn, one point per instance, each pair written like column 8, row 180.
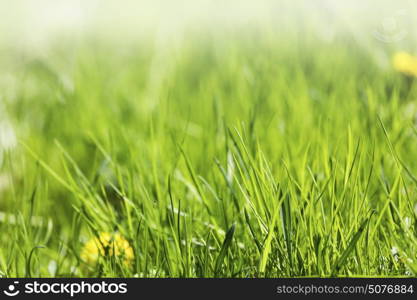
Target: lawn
column 249, row 152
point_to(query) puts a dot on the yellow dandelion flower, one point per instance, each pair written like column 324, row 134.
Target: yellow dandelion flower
column 405, row 63
column 107, row 245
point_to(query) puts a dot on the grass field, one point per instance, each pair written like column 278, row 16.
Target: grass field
column 230, row 153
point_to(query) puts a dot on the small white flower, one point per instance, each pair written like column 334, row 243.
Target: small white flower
column 394, row 252
column 407, row 222
column 5, row 182
column 7, row 136
column 74, row 270
column 52, row 267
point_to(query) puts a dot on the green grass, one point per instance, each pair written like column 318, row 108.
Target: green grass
column 231, row 155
